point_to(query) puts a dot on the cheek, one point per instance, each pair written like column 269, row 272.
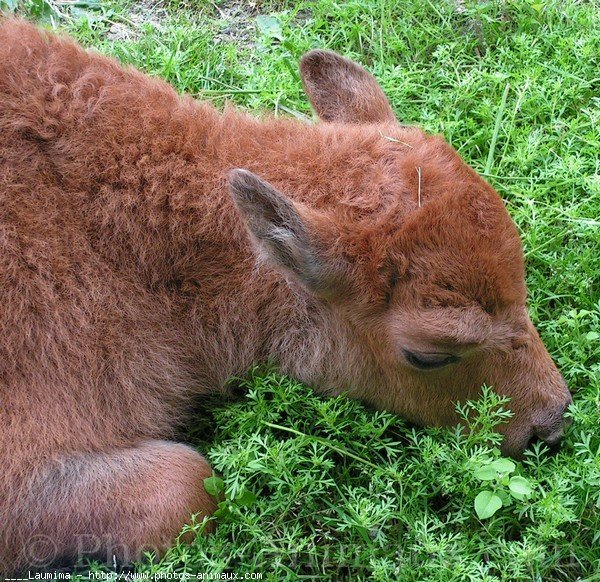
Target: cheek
column 423, row 397
column 426, row 398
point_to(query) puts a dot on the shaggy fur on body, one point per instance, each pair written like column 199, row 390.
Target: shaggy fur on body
column 140, row 269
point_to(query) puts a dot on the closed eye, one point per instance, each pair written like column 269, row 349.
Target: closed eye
column 429, row 361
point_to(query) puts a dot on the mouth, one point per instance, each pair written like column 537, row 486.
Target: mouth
column 516, row 447
column 546, row 427
column 553, row 445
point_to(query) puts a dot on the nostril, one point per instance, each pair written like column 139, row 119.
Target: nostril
column 550, row 433
column 549, row 424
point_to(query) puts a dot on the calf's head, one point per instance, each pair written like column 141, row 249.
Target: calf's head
column 419, row 260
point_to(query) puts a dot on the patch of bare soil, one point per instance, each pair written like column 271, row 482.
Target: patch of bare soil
column 238, row 22
column 144, row 12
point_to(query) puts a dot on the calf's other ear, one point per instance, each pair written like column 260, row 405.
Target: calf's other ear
column 340, row 90
column 281, row 234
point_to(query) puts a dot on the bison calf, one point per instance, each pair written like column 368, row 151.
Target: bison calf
column 139, row 268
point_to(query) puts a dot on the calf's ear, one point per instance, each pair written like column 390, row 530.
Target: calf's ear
column 340, row 90
column 281, row 234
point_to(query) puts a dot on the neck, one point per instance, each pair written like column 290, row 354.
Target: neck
column 164, row 205
column 246, row 314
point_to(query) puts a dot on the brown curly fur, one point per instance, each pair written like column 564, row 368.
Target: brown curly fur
column 132, row 280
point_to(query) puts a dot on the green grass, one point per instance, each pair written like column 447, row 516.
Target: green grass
column 342, row 491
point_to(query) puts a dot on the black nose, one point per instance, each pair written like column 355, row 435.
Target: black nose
column 551, row 424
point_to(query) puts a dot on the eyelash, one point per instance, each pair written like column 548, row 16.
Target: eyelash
column 421, row 362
